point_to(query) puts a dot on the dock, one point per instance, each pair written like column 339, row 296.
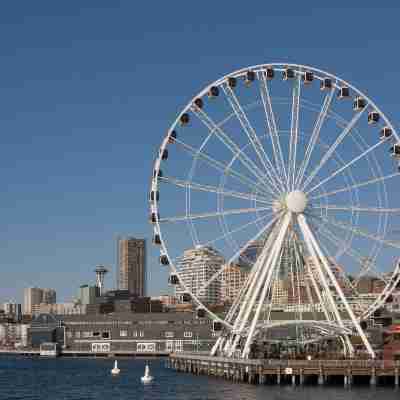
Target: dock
column 294, row 372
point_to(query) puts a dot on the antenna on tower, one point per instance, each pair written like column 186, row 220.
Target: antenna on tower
column 100, row 270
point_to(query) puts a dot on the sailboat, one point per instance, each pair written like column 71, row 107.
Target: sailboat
column 147, row 378
column 115, row 370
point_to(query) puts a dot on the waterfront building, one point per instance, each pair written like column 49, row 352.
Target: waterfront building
column 233, row 278
column 132, row 265
column 14, row 335
column 196, row 267
column 138, row 333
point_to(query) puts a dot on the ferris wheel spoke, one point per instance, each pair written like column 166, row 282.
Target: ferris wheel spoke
column 357, row 231
column 236, row 230
column 243, row 248
column 356, row 186
column 213, row 189
column 294, row 131
column 233, row 147
column 357, row 209
column 315, row 135
column 213, row 214
column 343, row 246
column 350, row 125
column 272, row 127
column 252, row 135
column 226, row 169
column 344, row 167
column 353, row 253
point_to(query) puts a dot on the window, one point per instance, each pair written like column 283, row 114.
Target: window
column 178, row 345
column 141, row 333
column 123, row 333
column 187, row 334
column 100, row 347
column 169, row 334
column 169, row 345
column 96, row 334
column 134, row 333
column 146, row 347
column 105, row 335
column 77, row 334
column 86, row 334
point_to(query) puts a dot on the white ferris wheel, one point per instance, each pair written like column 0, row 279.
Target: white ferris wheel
column 290, row 175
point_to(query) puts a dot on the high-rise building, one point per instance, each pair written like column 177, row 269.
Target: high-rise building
column 13, row 309
column 35, row 296
column 249, row 256
column 49, row 296
column 32, row 296
column 87, row 294
column 233, row 278
column 132, row 265
column 196, row 267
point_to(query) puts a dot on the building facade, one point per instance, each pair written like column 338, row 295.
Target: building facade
column 59, row 309
column 34, row 296
column 13, row 310
column 196, row 267
column 138, row 333
column 233, row 278
column 87, row 294
column 132, row 265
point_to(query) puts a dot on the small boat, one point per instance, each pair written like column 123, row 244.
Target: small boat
column 115, row 370
column 147, row 378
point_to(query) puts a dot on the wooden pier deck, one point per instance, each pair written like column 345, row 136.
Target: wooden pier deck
column 295, row 372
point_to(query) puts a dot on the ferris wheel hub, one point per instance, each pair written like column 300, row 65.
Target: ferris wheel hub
column 296, row 201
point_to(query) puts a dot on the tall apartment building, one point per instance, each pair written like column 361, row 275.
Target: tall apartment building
column 49, row 296
column 196, row 267
column 233, row 278
column 132, row 265
column 34, row 296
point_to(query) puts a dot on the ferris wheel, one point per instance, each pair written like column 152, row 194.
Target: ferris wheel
column 276, row 189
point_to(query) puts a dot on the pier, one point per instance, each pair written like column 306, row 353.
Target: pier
column 294, row 372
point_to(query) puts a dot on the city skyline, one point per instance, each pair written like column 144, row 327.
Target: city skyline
column 80, row 129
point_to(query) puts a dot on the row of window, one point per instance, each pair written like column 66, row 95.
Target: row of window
column 147, row 347
column 122, row 333
column 145, row 322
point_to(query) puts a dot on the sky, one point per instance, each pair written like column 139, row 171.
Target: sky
column 89, row 88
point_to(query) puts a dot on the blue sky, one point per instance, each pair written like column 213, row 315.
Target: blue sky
column 88, row 89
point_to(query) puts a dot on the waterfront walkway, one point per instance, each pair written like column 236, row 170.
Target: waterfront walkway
column 289, row 371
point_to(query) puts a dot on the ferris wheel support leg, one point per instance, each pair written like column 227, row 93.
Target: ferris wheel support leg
column 271, row 264
column 251, row 295
column 315, row 255
column 339, row 291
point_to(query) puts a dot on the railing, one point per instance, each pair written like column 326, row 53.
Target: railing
column 312, row 364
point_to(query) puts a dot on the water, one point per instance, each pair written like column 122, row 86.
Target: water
column 86, row 379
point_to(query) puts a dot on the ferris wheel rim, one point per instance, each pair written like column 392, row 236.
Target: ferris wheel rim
column 238, row 73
